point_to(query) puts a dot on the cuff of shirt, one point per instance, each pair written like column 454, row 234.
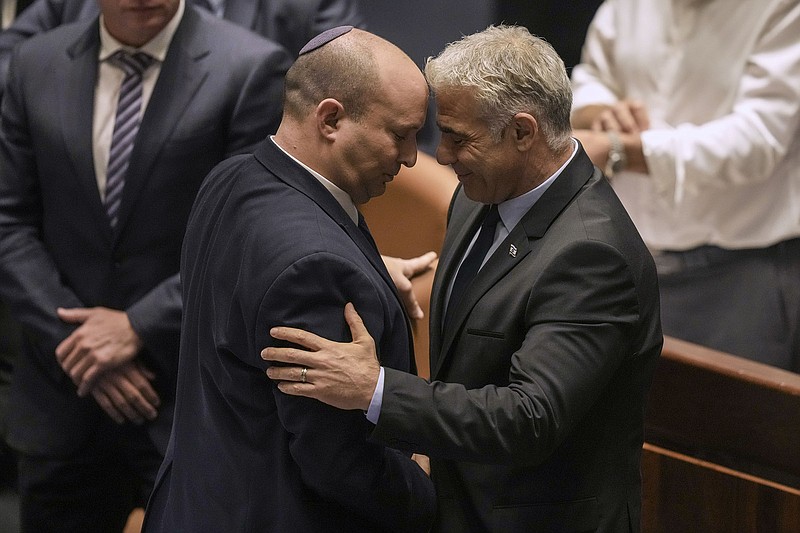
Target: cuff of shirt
column 374, row 411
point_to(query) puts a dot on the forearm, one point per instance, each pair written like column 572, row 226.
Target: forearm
column 584, row 117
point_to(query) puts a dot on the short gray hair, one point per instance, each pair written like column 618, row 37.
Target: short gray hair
column 511, row 72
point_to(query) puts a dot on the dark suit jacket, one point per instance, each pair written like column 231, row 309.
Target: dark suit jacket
column 218, row 94
column 268, row 245
column 534, row 420
column 292, row 23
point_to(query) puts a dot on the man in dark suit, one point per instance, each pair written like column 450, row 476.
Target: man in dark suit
column 291, row 23
column 95, row 281
column 276, row 238
column 542, row 362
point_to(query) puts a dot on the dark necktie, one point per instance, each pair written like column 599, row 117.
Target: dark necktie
column 472, row 263
column 362, row 225
column 126, row 125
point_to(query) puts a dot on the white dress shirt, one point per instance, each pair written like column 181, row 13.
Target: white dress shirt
column 109, row 82
column 341, row 197
column 721, row 82
column 8, row 13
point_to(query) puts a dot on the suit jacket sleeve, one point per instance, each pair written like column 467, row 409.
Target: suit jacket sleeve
column 332, row 447
column 31, row 283
column 256, row 114
column 576, row 331
column 258, row 110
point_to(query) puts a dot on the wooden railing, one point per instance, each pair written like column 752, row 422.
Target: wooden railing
column 722, row 451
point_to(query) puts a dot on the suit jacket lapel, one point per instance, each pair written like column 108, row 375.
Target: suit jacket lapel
column 497, row 266
column 80, row 79
column 533, row 226
column 181, row 76
column 368, row 246
column 453, row 248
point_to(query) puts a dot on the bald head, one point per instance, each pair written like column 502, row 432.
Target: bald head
column 353, row 107
column 348, row 68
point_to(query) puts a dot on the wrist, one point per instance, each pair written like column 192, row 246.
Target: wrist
column 617, row 159
column 373, row 411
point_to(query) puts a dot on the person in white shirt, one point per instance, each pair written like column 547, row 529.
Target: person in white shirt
column 693, row 107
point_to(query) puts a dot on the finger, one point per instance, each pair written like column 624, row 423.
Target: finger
column 136, row 400
column 73, row 315
column 140, row 377
column 417, row 265
column 289, row 356
column 624, row 117
column 88, row 379
column 66, row 346
column 288, row 373
column 640, row 116
column 406, row 291
column 122, row 405
column 423, row 461
column 77, row 371
column 609, row 122
column 412, row 305
column 293, row 388
column 147, row 373
column 105, row 404
column 299, row 337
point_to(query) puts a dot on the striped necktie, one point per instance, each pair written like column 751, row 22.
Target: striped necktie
column 126, row 125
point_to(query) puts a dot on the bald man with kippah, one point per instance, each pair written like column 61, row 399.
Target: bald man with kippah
column 276, row 238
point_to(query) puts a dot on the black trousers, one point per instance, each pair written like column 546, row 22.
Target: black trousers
column 744, row 302
column 93, row 490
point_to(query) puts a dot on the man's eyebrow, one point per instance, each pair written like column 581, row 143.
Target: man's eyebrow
column 447, row 129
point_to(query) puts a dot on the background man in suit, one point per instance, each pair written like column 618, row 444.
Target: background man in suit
column 291, row 23
column 276, row 238
column 94, row 279
column 541, row 363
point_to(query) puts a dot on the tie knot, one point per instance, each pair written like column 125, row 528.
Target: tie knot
column 131, row 63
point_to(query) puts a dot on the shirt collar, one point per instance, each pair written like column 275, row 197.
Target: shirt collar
column 338, row 194
column 512, row 210
column 156, row 47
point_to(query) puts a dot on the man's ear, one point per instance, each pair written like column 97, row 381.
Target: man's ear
column 329, row 114
column 524, row 128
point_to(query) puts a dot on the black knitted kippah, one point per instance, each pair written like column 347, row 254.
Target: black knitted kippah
column 324, row 38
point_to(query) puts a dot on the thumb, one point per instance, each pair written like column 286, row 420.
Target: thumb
column 418, row 265
column 358, row 330
column 73, row 315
